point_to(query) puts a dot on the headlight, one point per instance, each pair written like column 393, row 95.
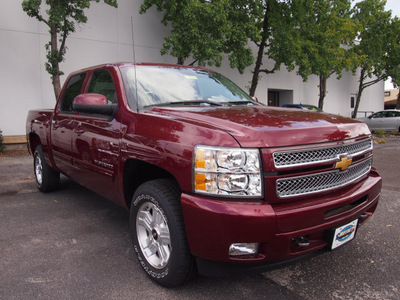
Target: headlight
column 227, row 171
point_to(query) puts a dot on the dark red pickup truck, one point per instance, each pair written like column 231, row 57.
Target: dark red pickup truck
column 214, row 181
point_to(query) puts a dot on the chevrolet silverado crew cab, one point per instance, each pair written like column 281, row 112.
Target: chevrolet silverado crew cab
column 215, row 182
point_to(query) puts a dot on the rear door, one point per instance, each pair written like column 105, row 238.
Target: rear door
column 392, row 120
column 63, row 124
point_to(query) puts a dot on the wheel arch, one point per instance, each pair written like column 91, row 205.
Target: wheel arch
column 137, row 172
column 33, row 142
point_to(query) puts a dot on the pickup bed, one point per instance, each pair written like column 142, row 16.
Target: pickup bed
column 214, row 181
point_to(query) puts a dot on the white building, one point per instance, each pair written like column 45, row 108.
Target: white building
column 108, row 37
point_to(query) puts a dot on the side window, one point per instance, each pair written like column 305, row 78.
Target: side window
column 72, row 90
column 378, row 115
column 102, row 83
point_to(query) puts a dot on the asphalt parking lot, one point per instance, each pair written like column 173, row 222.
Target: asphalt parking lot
column 73, row 244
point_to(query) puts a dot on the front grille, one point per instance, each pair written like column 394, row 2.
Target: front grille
column 309, row 184
column 318, row 155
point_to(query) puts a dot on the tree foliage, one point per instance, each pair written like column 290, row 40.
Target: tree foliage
column 60, row 16
column 309, row 34
column 275, row 23
column 317, row 37
column 324, row 33
column 204, row 30
column 378, row 49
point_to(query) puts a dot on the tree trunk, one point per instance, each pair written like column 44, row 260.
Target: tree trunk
column 359, row 93
column 358, row 100
column 322, row 91
column 181, row 61
column 56, row 85
column 256, row 72
column 260, row 55
column 55, row 76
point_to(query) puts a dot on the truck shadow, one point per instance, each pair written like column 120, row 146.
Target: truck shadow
column 108, row 224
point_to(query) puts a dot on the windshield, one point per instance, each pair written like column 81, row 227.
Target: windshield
column 164, row 86
column 311, row 107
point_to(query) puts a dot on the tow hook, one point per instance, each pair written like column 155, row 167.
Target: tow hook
column 301, row 241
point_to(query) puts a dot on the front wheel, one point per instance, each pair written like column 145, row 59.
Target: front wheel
column 158, row 233
column 46, row 178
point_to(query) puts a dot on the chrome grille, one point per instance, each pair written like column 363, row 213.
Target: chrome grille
column 317, row 155
column 325, row 181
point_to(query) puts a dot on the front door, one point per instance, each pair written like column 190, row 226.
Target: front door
column 96, row 139
column 273, row 98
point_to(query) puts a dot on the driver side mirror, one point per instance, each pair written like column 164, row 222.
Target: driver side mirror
column 94, row 104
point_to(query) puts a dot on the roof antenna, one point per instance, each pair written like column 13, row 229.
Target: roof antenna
column 134, row 65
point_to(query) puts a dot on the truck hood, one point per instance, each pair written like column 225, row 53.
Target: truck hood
column 261, row 126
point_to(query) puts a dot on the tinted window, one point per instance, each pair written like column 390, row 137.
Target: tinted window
column 378, row 115
column 73, row 89
column 102, row 83
column 394, row 114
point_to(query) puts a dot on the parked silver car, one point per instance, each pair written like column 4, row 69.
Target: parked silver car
column 385, row 119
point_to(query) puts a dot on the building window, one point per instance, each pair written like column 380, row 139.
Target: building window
column 387, row 93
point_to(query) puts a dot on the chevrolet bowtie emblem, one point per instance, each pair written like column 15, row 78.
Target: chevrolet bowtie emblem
column 344, row 163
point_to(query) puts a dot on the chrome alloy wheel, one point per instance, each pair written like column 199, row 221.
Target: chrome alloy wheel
column 38, row 170
column 153, row 235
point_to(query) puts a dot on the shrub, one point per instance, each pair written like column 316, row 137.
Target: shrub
column 380, row 132
column 2, row 146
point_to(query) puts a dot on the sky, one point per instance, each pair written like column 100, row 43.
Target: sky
column 394, row 6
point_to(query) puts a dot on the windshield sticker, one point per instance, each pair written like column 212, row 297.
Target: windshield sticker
column 190, row 77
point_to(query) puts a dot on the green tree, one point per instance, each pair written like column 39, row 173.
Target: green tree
column 203, row 31
column 378, row 49
column 274, row 41
column 244, row 19
column 324, row 31
column 60, row 16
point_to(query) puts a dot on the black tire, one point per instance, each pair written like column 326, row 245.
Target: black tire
column 166, row 258
column 47, row 179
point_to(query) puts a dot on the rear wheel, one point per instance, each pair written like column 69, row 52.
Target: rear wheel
column 158, row 233
column 46, row 178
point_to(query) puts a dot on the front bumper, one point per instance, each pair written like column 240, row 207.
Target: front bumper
column 212, row 225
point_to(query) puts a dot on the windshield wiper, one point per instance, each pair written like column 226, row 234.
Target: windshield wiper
column 243, row 102
column 183, row 103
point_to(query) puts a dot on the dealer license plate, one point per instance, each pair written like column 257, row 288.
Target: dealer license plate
column 344, row 234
